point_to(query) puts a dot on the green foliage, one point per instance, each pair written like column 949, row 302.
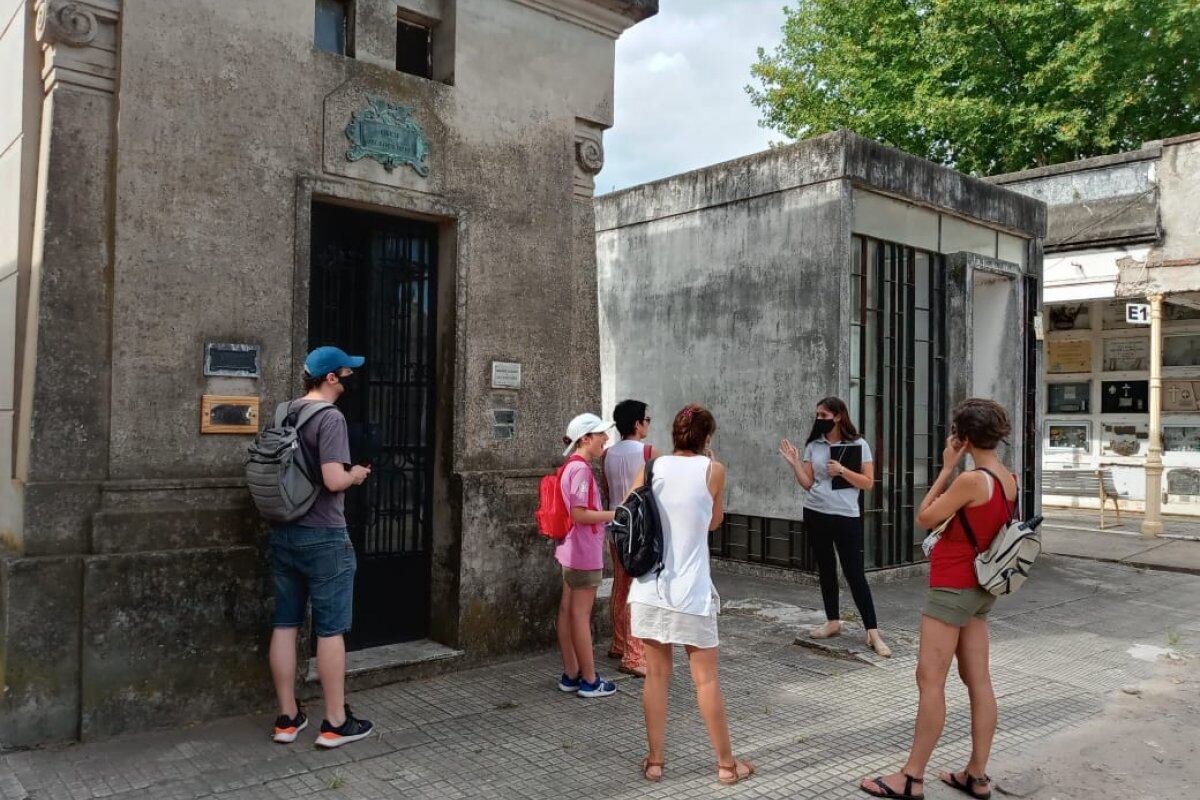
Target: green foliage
column 986, row 86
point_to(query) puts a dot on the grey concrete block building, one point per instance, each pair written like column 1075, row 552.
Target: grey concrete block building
column 194, row 193
column 832, row 266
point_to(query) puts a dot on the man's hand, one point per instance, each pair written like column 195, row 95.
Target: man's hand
column 359, row 473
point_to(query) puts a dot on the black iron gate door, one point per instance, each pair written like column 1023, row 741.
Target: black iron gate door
column 373, row 293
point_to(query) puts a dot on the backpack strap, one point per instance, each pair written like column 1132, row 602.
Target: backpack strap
column 1012, row 509
column 966, row 526
column 310, row 411
column 281, row 412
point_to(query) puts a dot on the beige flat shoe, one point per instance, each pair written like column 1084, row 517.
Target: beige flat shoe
column 826, row 631
column 880, row 647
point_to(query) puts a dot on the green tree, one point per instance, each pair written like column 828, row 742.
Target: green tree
column 986, row 86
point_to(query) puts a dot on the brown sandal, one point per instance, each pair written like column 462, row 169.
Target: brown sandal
column 647, row 764
column 736, row 770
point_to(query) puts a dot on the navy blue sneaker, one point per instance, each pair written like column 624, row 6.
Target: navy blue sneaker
column 568, row 684
column 601, row 688
column 351, row 730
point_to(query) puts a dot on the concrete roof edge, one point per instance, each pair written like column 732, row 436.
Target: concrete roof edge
column 636, row 10
column 840, row 154
column 1148, row 152
column 941, row 187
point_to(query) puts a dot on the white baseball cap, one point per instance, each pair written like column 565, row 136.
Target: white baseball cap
column 581, row 426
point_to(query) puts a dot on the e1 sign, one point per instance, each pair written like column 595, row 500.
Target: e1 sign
column 1137, row 313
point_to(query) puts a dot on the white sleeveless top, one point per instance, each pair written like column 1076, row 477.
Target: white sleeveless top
column 622, row 463
column 685, row 506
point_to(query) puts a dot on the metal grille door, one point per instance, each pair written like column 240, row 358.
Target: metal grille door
column 373, row 293
column 898, row 387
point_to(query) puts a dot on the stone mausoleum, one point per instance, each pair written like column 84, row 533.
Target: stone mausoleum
column 833, row 266
column 192, row 194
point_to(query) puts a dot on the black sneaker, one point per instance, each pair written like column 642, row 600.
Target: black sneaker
column 286, row 728
column 351, row 730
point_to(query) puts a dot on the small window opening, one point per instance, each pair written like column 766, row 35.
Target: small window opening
column 332, row 31
column 414, row 48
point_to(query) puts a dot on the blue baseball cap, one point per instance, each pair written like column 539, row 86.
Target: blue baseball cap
column 324, row 360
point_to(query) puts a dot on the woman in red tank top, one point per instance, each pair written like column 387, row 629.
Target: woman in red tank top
column 954, row 619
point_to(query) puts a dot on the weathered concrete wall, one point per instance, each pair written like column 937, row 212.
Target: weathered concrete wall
column 188, row 223
column 1096, row 201
column 1179, row 179
column 717, row 307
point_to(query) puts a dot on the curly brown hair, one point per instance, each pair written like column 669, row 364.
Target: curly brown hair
column 692, row 428
column 984, row 423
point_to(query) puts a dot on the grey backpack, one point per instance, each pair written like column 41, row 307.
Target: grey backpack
column 282, row 483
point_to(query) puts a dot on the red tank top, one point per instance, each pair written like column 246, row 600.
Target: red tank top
column 952, row 562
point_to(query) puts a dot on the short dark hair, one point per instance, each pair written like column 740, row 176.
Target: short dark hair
column 984, row 423
column 627, row 414
column 309, row 382
column 692, row 427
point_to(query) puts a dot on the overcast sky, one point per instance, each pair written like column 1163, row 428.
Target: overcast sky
column 680, row 97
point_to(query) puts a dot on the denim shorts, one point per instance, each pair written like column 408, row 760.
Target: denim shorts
column 316, row 564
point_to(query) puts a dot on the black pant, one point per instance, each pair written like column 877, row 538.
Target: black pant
column 827, row 532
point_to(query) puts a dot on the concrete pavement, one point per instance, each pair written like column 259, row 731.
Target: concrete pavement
column 811, row 721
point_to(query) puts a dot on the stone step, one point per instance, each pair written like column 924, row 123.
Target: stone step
column 378, row 666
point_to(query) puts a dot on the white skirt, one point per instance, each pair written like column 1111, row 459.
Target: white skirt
column 673, row 627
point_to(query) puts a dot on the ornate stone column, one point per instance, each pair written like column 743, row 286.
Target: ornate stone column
column 63, row 413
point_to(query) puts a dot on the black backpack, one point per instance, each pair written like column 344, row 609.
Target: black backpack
column 636, row 530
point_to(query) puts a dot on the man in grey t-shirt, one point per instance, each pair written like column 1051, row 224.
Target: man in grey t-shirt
column 312, row 559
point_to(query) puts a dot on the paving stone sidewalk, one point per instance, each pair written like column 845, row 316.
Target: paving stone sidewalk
column 812, row 722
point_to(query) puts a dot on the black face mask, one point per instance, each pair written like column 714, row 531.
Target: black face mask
column 823, row 426
column 347, row 381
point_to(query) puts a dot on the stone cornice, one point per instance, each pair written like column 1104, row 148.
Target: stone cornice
column 79, row 43
column 608, row 17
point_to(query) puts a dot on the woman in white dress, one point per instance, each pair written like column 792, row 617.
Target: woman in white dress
column 679, row 605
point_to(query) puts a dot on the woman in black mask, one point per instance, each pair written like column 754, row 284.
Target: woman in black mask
column 835, row 469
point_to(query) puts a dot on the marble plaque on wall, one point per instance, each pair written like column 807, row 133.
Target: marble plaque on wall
column 1124, row 439
column 1127, row 355
column 1068, row 355
column 1180, row 397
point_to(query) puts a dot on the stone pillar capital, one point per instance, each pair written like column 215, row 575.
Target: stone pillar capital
column 79, row 43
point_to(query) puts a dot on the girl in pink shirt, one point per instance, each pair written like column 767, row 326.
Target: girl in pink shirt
column 581, row 555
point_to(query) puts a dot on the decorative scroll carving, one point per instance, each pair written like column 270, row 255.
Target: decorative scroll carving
column 589, row 154
column 589, row 157
column 65, row 23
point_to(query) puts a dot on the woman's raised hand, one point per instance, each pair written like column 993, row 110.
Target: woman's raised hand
column 953, row 453
column 789, row 452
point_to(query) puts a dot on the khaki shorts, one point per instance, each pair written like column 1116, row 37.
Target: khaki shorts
column 582, row 578
column 958, row 606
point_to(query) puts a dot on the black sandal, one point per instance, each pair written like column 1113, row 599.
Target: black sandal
column 887, row 791
column 969, row 786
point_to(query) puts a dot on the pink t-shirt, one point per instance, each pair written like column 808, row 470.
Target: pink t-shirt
column 584, row 546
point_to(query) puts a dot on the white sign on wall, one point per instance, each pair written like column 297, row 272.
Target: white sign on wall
column 1137, row 313
column 506, row 375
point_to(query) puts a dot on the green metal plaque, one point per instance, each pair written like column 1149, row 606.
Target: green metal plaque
column 387, row 133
